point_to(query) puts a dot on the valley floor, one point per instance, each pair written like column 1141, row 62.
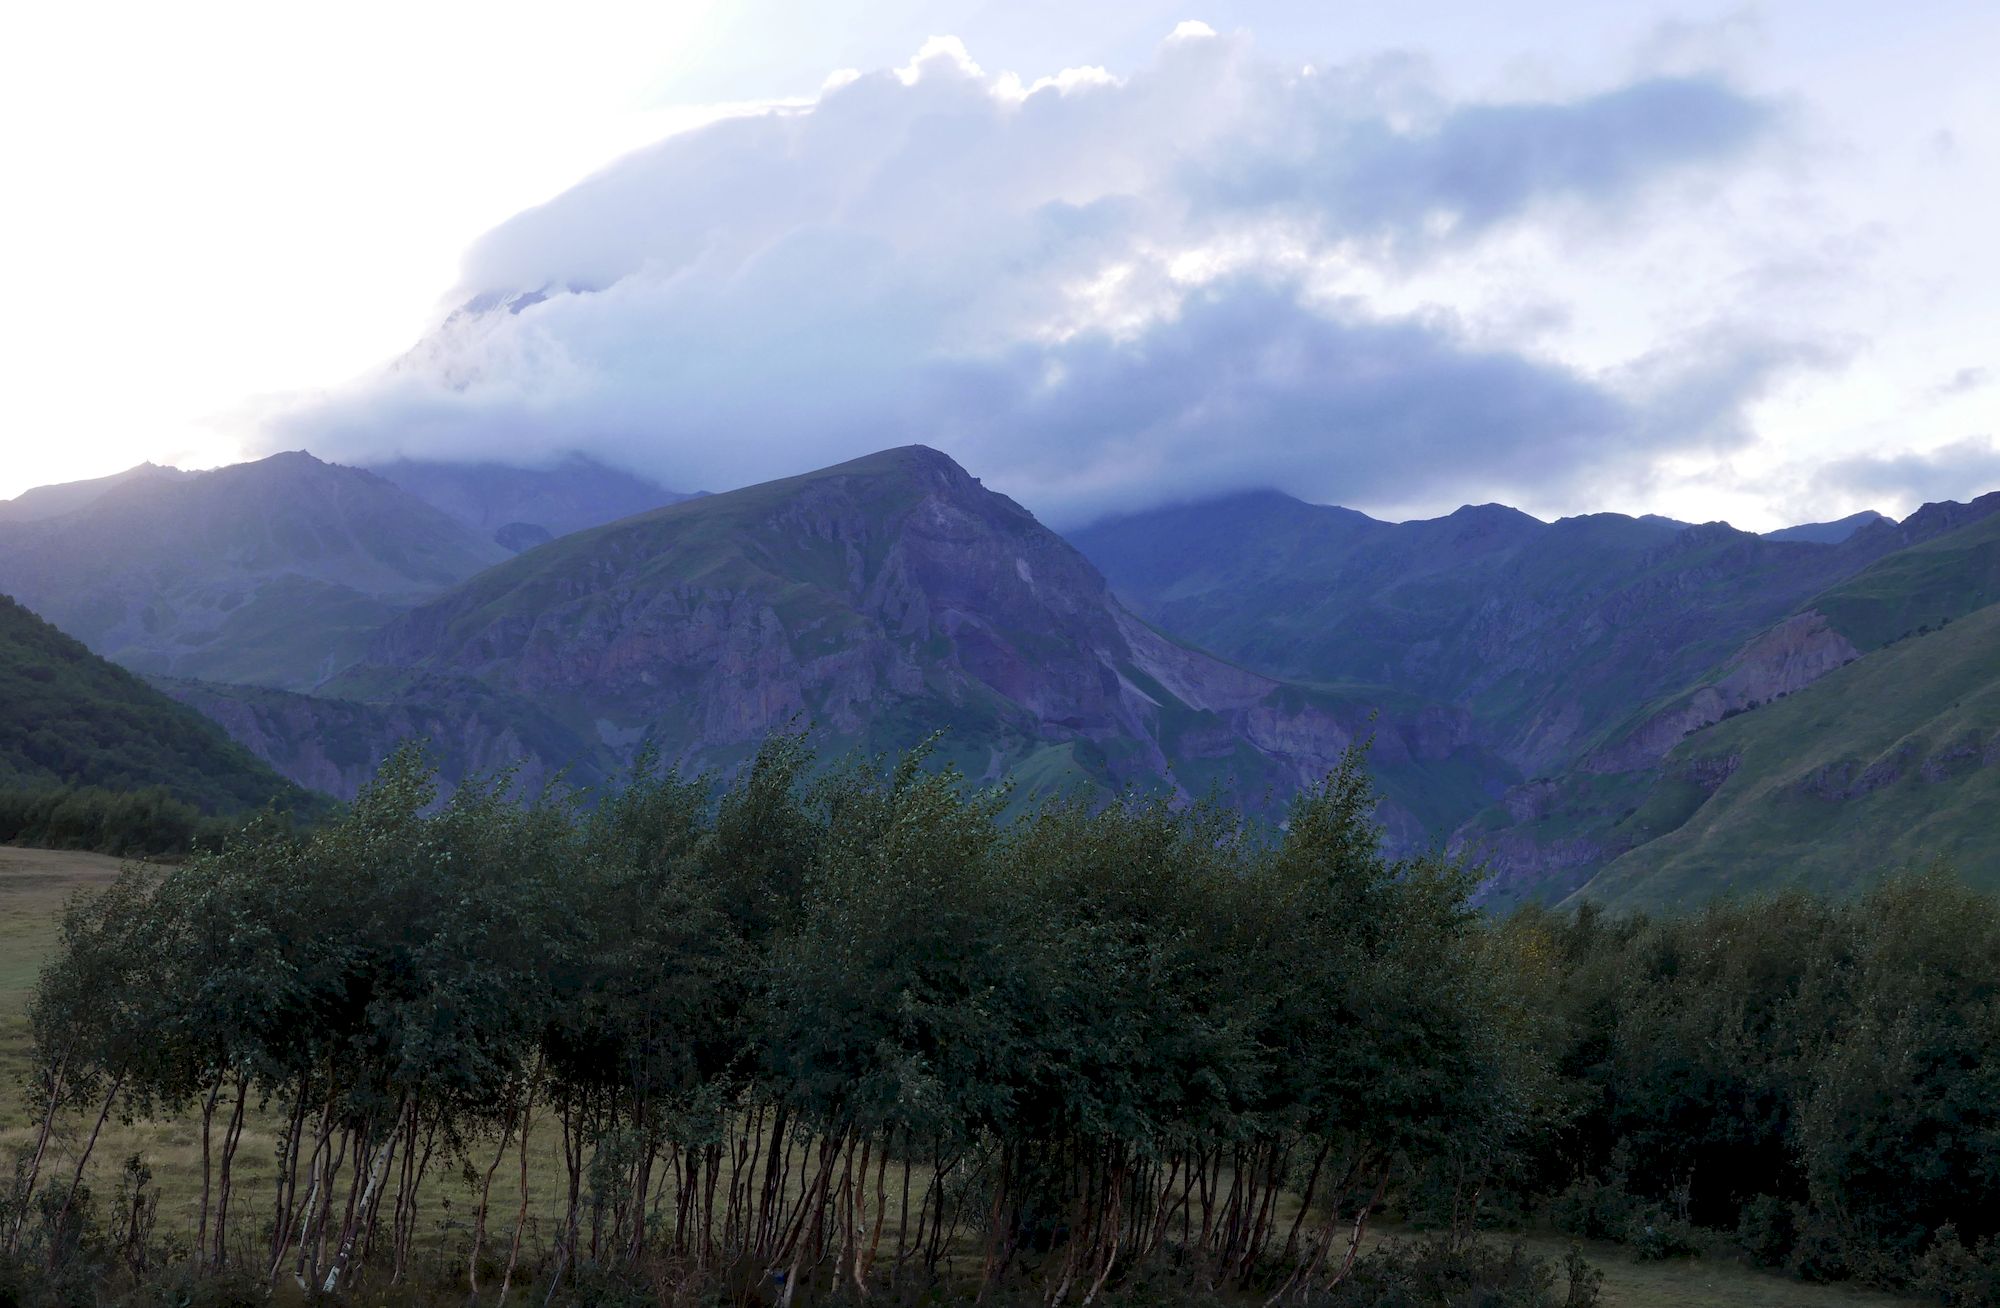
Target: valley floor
column 34, row 885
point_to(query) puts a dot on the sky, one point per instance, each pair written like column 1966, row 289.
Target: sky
column 1716, row 261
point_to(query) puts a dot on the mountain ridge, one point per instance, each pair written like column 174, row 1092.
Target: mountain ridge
column 271, row 572
column 880, row 598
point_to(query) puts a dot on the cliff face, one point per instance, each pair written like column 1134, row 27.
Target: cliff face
column 880, row 599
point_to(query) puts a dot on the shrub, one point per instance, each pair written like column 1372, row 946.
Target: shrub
column 1958, row 1277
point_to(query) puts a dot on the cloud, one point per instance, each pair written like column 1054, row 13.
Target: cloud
column 1961, row 471
column 1462, row 169
column 1095, row 292
column 1963, row 382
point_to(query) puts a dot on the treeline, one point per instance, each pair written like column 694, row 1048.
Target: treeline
column 145, row 823
column 1814, row 1083
column 855, row 1033
column 69, row 719
column 825, row 1034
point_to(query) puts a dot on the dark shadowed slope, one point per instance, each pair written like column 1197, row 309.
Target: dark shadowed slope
column 523, row 507
column 67, row 717
column 1548, row 633
column 273, row 572
column 885, row 599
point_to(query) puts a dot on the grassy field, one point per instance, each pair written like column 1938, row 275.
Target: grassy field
column 34, row 884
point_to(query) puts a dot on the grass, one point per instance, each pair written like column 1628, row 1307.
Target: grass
column 35, row 884
column 1687, row 1282
column 1882, row 764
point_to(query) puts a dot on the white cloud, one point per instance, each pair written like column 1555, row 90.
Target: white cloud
column 1093, row 290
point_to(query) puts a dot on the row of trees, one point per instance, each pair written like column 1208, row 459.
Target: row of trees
column 1819, row 1080
column 146, row 823
column 821, row 1031
column 866, row 1031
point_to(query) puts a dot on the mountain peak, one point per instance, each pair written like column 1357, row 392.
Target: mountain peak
column 900, row 460
column 1828, row 533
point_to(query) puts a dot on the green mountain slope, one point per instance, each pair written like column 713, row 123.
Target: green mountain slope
column 274, row 572
column 1890, row 761
column 67, row 717
column 1923, row 585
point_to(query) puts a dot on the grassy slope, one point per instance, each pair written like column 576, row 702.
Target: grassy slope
column 1917, row 588
column 69, row 717
column 1917, row 699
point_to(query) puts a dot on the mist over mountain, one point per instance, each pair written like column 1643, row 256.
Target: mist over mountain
column 273, row 572
column 67, row 497
column 519, row 507
column 1102, row 288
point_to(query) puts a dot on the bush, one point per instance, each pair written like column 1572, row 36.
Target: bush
column 1445, row 1272
column 1657, row 1234
column 1591, row 1209
column 1958, row 1277
column 1767, row 1230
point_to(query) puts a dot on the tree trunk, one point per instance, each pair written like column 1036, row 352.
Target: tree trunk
column 76, row 1181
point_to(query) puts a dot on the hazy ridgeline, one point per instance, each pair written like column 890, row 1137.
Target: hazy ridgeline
column 853, row 1033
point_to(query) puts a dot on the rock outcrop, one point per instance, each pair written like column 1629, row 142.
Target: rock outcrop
column 1788, row 657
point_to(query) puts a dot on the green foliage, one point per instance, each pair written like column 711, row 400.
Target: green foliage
column 142, row 823
column 1816, row 1079
column 70, row 722
column 1064, row 1024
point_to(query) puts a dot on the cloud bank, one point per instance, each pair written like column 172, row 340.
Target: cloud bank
column 1097, row 292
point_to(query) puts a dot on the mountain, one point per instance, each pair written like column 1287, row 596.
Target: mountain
column 524, row 507
column 885, row 599
column 67, row 497
column 335, row 745
column 274, row 572
column 1891, row 761
column 1549, row 634
column 1828, row 533
column 1859, row 655
column 67, row 717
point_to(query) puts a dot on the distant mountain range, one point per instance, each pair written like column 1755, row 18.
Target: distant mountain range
column 884, row 599
column 1599, row 655
column 1548, row 633
column 1630, row 709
